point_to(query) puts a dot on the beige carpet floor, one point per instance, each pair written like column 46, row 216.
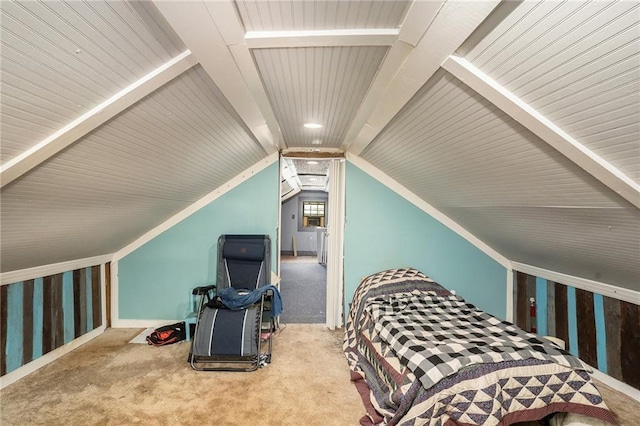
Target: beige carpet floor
column 111, row 382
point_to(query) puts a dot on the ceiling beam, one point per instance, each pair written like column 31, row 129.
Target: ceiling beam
column 323, row 153
column 321, row 38
column 431, row 32
column 95, row 117
column 544, row 128
column 223, row 13
column 204, row 28
column 417, row 21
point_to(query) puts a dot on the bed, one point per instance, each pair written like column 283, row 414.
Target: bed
column 420, row 355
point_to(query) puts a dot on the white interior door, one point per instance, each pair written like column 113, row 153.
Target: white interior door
column 335, row 242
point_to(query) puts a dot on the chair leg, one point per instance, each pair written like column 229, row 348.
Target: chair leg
column 187, row 325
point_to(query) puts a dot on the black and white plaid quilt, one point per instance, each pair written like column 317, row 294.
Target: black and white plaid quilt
column 438, row 335
column 525, row 381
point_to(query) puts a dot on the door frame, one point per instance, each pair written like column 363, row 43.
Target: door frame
column 335, row 229
column 335, row 245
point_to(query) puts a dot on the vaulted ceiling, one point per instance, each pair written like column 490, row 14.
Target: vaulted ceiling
column 518, row 120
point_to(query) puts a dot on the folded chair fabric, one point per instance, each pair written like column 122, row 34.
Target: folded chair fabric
column 234, row 300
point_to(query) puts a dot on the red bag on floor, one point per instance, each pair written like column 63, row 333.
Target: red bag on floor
column 166, row 335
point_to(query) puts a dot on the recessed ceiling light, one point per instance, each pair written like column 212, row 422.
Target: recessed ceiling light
column 312, row 125
column 316, row 142
column 312, row 162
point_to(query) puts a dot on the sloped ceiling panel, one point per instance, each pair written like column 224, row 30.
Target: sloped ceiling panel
column 260, row 15
column 598, row 244
column 285, row 188
column 474, row 154
column 61, row 59
column 153, row 160
column 578, row 64
column 470, row 160
column 322, row 85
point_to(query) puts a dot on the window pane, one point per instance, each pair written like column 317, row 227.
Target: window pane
column 313, row 213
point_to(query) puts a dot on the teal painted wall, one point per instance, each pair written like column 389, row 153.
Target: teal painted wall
column 384, row 230
column 155, row 280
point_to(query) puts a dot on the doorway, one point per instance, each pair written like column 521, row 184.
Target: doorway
column 308, row 209
column 303, row 286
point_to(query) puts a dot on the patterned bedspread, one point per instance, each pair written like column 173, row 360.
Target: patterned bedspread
column 419, row 355
column 436, row 336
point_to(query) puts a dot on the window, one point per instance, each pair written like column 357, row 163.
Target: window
column 313, row 213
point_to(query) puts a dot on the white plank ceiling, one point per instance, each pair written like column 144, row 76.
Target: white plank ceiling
column 577, row 63
column 259, row 15
column 123, row 179
column 60, row 59
column 384, row 78
column 484, row 170
column 329, row 86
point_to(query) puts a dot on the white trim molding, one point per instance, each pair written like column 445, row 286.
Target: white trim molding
column 43, row 271
column 172, row 221
column 509, row 307
column 231, row 32
column 142, row 323
column 95, row 117
column 544, row 128
column 201, row 203
column 115, row 306
column 335, row 253
column 103, row 293
column 290, row 195
column 616, row 384
column 209, row 29
column 604, row 289
column 54, row 268
column 47, row 358
column 427, row 208
column 432, row 31
column 321, row 38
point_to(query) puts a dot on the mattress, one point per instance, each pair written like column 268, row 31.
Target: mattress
column 462, row 387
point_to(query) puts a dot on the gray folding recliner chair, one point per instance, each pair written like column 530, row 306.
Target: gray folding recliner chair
column 230, row 339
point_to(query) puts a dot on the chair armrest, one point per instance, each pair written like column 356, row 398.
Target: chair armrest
column 204, row 289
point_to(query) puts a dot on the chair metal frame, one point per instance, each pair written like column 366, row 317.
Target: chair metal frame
column 207, row 293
